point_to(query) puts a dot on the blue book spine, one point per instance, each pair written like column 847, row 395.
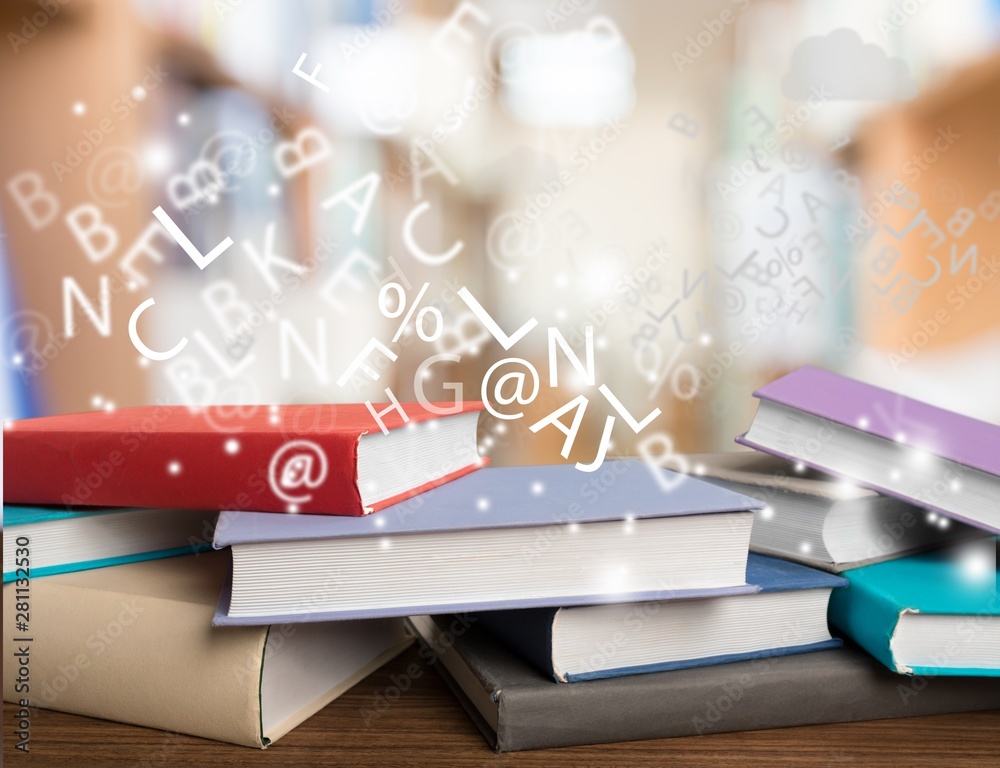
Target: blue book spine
column 107, row 562
column 868, row 616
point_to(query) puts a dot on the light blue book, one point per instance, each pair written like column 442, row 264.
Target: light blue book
column 930, row 614
column 498, row 538
column 42, row 541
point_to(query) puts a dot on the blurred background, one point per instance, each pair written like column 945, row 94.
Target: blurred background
column 722, row 190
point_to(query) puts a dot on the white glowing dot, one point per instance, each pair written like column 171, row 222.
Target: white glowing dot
column 79, row 108
column 538, row 488
column 143, row 362
column 651, row 378
column 705, row 339
column 132, row 285
column 293, row 508
column 900, row 437
column 138, row 93
column 574, row 527
column 385, row 543
column 274, row 190
column 863, row 422
column 601, row 342
column 475, row 351
column 273, row 419
column 800, row 467
column 380, row 522
column 272, row 408
column 488, row 441
column 482, row 504
column 232, row 446
column 975, row 566
column 109, row 406
column 805, row 548
column 427, row 373
column 943, row 523
column 512, row 275
column 183, row 118
column 699, row 469
column 174, row 467
column 156, row 157
column 931, row 517
column 482, row 449
column 767, row 512
column 500, row 428
column 954, row 485
column 17, row 359
column 845, row 489
column 432, row 425
column 96, row 401
column 8, row 425
column 560, row 314
column 895, row 474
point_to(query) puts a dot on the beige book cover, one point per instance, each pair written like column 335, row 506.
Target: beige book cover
column 134, row 643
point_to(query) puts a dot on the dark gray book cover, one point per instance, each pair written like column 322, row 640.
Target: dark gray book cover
column 517, row 707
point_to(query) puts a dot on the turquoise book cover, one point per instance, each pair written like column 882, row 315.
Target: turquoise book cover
column 957, row 581
column 15, row 516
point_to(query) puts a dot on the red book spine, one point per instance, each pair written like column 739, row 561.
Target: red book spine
column 188, row 470
column 296, row 458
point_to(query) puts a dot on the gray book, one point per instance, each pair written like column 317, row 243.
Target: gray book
column 818, row 520
column 516, row 707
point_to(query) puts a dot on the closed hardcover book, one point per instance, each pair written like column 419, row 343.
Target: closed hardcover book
column 922, row 454
column 786, row 615
column 518, row 707
column 63, row 541
column 311, row 459
column 134, row 643
column 936, row 613
column 505, row 537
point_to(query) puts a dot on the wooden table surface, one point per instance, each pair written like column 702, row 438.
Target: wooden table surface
column 426, row 726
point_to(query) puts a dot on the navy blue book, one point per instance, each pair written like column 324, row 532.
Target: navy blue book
column 499, row 538
column 786, row 616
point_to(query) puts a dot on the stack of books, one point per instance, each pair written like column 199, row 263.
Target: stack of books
column 561, row 608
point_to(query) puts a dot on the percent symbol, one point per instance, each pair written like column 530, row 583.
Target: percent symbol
column 400, row 304
column 787, row 261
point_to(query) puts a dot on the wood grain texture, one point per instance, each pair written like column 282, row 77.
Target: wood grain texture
column 425, row 726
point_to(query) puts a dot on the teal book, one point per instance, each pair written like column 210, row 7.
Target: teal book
column 930, row 614
column 43, row 541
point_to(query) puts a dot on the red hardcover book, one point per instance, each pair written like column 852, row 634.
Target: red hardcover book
column 318, row 459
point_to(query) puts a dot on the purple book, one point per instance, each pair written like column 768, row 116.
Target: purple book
column 500, row 538
column 884, row 441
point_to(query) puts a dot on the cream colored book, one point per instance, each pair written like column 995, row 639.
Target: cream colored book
column 135, row 643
